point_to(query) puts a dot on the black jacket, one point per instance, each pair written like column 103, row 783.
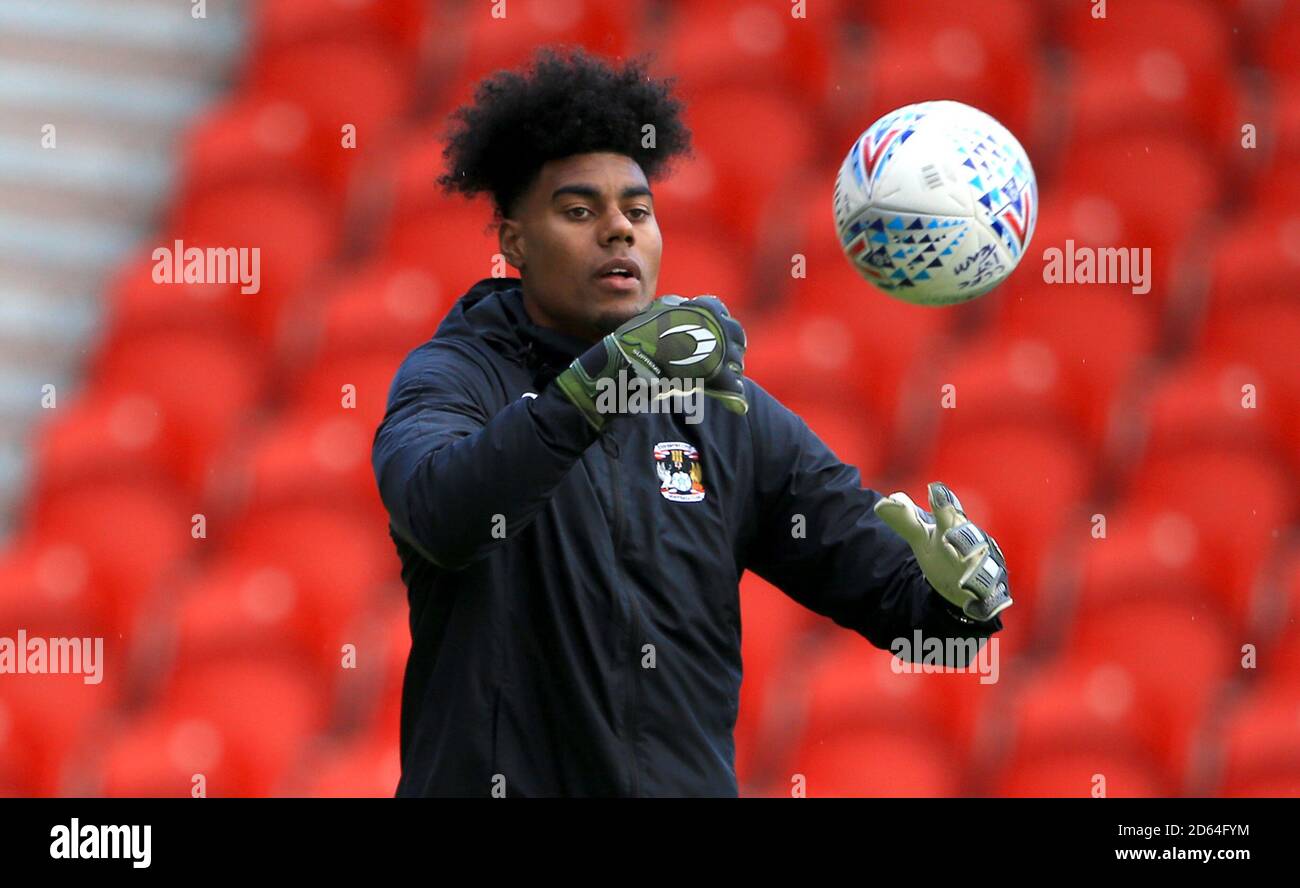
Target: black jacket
column 576, row 620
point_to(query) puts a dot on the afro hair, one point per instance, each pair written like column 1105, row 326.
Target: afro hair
column 569, row 103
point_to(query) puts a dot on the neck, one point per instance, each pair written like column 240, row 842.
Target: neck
column 541, row 318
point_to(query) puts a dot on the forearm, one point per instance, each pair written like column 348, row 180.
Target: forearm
column 910, row 607
column 461, row 498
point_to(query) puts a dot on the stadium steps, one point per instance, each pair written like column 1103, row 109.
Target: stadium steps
column 119, row 80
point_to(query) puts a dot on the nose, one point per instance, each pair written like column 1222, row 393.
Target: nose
column 620, row 227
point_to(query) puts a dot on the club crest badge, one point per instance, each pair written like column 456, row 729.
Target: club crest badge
column 681, row 477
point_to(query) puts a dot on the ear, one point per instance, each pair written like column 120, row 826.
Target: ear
column 511, row 240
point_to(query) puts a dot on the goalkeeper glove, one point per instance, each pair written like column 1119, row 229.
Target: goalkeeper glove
column 673, row 337
column 961, row 562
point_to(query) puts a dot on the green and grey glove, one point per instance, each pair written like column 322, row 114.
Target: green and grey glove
column 961, row 562
column 687, row 343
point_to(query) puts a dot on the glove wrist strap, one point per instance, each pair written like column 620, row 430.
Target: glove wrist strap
column 579, row 382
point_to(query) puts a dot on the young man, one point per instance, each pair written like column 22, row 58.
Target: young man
column 573, row 560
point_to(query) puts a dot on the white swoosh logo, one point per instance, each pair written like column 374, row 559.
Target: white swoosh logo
column 705, row 342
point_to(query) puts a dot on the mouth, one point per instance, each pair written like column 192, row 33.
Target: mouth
column 621, row 275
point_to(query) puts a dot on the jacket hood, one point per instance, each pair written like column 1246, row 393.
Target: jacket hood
column 492, row 313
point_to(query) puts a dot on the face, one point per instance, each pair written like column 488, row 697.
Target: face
column 580, row 213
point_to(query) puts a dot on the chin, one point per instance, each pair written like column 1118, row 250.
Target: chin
column 609, row 321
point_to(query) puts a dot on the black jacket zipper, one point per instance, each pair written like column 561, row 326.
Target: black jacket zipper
column 612, row 450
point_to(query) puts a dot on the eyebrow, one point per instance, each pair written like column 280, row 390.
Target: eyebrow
column 593, row 192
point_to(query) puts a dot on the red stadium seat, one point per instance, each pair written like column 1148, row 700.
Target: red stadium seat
column 1154, row 189
column 354, row 80
column 1071, row 218
column 453, row 243
column 918, row 62
column 1077, row 707
column 1262, row 336
column 203, row 386
column 1004, row 377
column 250, row 136
column 45, row 722
column 310, row 457
column 137, row 303
column 1008, row 24
column 689, row 197
column 336, row 557
column 772, row 625
column 402, row 24
column 696, row 261
column 852, row 685
column 809, row 227
column 1153, row 88
column 1287, row 662
column 1194, row 31
column 1237, row 503
column 1147, row 554
column 297, row 577
column 798, row 355
column 1256, row 261
column 874, row 763
column 384, row 705
column 1279, row 653
column 366, row 767
column 1284, row 783
column 491, row 43
column 1175, row 659
column 1080, row 774
column 241, row 724
column 1025, row 484
column 102, row 436
column 130, row 538
column 291, row 226
column 725, row 125
column 1274, row 196
column 46, row 591
column 1201, row 403
column 1285, row 115
column 835, row 328
column 320, row 388
column 1166, row 63
column 1282, row 45
column 416, row 164
column 856, row 440
column 1261, row 741
column 1099, row 339
column 1255, row 16
column 157, row 755
column 939, row 49
column 379, row 307
column 713, row 46
column 45, row 588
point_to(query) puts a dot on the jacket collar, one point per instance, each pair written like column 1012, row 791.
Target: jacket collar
column 493, row 311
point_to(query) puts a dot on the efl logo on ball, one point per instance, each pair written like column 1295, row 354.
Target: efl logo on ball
column 935, row 203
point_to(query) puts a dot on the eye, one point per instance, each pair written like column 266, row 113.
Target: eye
column 645, row 214
column 581, row 209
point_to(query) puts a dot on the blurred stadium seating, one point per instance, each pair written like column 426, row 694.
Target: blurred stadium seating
column 1124, row 654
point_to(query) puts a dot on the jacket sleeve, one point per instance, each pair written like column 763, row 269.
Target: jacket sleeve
column 447, row 469
column 820, row 541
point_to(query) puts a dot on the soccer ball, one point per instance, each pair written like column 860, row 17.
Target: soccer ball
column 935, row 203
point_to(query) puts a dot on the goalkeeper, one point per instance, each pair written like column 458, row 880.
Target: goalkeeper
column 573, row 572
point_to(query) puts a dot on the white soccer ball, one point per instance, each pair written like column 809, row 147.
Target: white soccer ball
column 935, row 203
